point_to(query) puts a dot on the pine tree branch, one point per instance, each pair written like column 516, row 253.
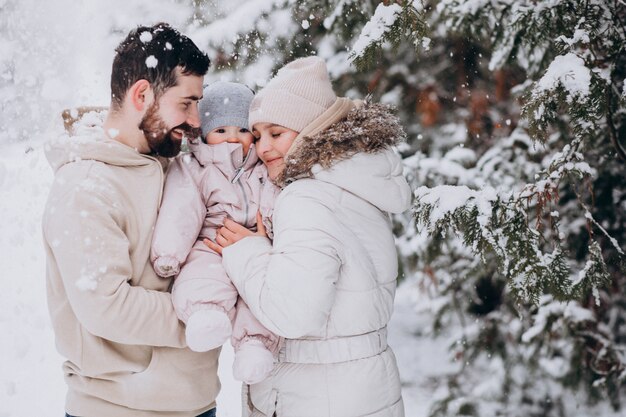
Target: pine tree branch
column 612, row 131
column 617, row 18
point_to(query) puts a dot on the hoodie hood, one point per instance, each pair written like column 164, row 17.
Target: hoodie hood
column 89, row 142
column 355, row 154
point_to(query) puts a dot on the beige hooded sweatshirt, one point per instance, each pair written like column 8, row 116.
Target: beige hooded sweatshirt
column 112, row 315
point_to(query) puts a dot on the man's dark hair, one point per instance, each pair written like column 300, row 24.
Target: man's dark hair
column 153, row 53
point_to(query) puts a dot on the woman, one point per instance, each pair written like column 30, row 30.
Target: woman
column 327, row 281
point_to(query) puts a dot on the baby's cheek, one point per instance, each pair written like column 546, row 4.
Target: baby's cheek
column 213, row 139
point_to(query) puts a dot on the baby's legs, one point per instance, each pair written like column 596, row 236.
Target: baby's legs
column 204, row 298
column 255, row 347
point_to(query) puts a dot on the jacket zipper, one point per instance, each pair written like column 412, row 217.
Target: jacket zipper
column 238, row 173
column 245, row 201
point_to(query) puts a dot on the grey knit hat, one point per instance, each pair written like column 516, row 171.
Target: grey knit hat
column 224, row 104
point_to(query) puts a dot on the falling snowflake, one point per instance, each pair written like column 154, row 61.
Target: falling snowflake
column 145, row 37
column 151, row 61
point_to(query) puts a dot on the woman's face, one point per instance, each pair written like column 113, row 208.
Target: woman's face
column 272, row 143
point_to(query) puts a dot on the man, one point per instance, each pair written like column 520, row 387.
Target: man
column 112, row 315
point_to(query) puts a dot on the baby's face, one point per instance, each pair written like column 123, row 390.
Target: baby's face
column 230, row 134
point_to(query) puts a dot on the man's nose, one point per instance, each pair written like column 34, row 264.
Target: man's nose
column 193, row 119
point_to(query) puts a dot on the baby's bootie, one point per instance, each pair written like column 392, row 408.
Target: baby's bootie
column 207, row 329
column 253, row 362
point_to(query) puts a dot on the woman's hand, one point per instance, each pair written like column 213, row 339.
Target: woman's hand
column 233, row 232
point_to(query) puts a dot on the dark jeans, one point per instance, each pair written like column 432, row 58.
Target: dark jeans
column 210, row 413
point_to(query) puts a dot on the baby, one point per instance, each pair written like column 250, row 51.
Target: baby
column 222, row 178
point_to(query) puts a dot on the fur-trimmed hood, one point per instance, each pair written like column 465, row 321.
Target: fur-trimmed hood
column 355, row 154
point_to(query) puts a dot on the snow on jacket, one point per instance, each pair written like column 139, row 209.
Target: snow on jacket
column 327, row 282
column 203, row 188
column 112, row 315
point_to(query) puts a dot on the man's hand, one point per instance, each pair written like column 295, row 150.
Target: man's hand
column 233, row 232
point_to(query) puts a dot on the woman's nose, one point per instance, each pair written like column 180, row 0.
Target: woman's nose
column 262, row 145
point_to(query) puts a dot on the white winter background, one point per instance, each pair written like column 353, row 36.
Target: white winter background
column 57, row 54
column 54, row 55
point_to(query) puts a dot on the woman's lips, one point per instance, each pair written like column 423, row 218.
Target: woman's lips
column 273, row 161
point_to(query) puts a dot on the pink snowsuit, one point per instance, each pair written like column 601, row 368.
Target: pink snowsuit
column 203, row 188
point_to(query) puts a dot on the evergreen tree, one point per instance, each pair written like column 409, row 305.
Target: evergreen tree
column 528, row 205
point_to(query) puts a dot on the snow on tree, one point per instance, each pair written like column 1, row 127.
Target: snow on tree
column 547, row 234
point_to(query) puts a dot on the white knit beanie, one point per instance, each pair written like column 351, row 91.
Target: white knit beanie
column 299, row 93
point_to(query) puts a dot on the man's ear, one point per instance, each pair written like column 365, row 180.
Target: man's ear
column 141, row 95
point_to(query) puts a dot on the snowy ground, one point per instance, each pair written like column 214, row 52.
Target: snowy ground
column 31, row 382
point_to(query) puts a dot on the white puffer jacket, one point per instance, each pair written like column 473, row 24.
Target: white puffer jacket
column 328, row 281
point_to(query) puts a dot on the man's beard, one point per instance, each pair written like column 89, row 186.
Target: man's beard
column 159, row 137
